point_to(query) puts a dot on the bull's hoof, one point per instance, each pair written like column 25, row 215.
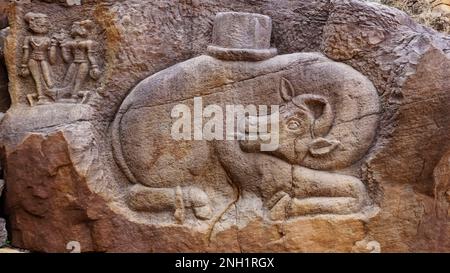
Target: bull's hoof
column 203, row 213
column 199, row 201
column 278, row 205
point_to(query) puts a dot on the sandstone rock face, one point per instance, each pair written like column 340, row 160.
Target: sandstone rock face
column 5, row 101
column 3, row 232
column 441, row 7
column 117, row 139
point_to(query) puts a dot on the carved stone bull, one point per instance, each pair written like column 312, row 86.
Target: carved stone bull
column 327, row 123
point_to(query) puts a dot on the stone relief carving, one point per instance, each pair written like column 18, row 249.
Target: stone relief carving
column 80, row 53
column 39, row 53
column 363, row 124
column 321, row 132
column 5, row 100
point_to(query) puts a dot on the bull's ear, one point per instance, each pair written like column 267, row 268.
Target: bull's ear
column 320, row 110
column 322, row 146
column 286, row 90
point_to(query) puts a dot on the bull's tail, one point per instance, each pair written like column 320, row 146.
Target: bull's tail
column 117, row 144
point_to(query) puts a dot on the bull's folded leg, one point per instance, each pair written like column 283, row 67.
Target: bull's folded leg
column 142, row 198
column 313, row 183
column 323, row 205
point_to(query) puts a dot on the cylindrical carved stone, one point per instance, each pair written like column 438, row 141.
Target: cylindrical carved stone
column 241, row 36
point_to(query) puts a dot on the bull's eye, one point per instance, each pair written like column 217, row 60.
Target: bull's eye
column 294, row 124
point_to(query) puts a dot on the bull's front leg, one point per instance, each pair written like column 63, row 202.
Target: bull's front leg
column 319, row 192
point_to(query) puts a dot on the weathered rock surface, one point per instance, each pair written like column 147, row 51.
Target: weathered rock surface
column 8, row 250
column 5, row 101
column 3, row 232
column 368, row 173
column 441, row 7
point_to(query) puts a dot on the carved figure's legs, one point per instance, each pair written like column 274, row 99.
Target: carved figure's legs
column 318, row 192
column 47, row 74
column 69, row 78
column 143, row 198
column 83, row 70
column 74, row 79
column 31, row 98
column 36, row 73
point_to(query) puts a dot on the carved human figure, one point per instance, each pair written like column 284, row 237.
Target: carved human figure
column 80, row 53
column 39, row 51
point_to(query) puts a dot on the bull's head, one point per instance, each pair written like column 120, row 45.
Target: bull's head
column 303, row 124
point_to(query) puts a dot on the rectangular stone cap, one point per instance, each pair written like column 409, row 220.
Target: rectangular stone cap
column 238, row 30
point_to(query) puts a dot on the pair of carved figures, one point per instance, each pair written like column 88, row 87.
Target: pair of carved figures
column 40, row 52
